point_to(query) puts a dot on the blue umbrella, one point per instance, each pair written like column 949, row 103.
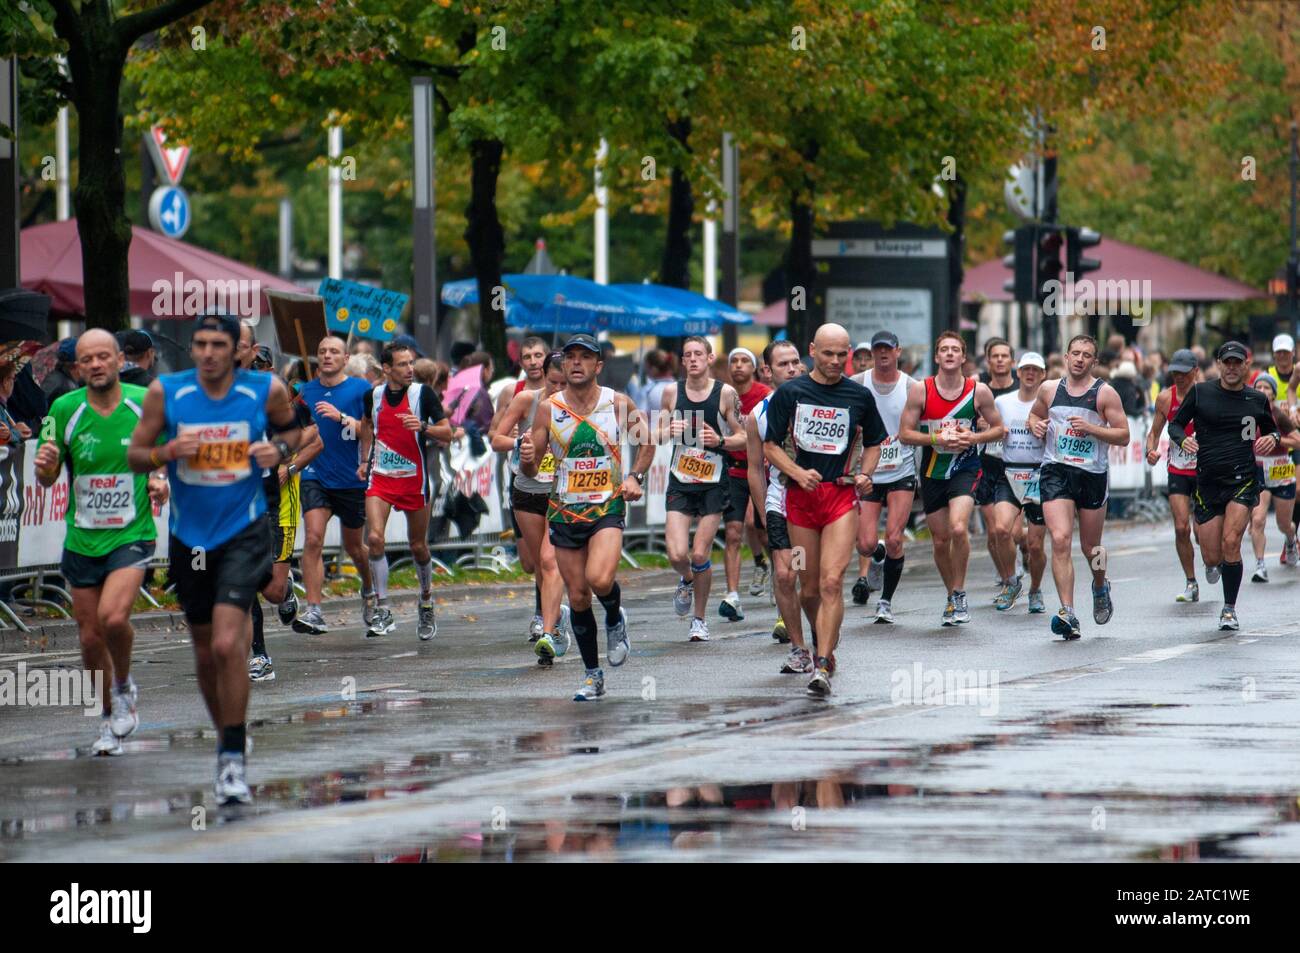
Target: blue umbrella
column 676, row 312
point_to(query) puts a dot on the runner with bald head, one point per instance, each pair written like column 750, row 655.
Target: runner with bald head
column 824, row 435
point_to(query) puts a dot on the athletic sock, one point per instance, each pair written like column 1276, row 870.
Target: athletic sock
column 611, row 601
column 1231, row 582
column 583, row 622
column 893, row 573
column 232, row 739
column 425, row 572
column 879, row 554
column 379, row 576
column 259, row 633
column 760, row 560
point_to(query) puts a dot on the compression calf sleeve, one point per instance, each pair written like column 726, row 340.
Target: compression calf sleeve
column 583, row 622
column 259, row 633
column 893, row 573
column 611, row 601
column 379, row 576
column 1232, row 573
column 425, row 573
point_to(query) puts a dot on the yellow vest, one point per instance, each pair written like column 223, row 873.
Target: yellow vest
column 1283, row 384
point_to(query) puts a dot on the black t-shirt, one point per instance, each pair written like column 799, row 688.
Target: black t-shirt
column 828, row 423
column 430, row 404
column 1226, row 451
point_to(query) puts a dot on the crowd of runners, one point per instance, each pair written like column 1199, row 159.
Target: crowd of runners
column 795, row 454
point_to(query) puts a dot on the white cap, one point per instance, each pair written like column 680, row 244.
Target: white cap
column 1031, row 359
column 1284, row 342
column 862, row 346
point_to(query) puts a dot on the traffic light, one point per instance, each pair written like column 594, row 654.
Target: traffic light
column 1021, row 262
column 1078, row 239
column 1047, row 267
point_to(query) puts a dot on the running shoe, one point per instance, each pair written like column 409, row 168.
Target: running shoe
column 950, row 612
column 535, row 629
column 1228, row 620
column 699, row 631
column 1065, row 624
column 1291, row 553
column 231, row 788
column 820, row 686
column 381, row 623
column 779, row 631
column 1190, row 594
column 617, row 645
column 876, row 570
column 683, row 598
column 288, row 609
column 1261, row 572
column 1102, row 607
column 1211, row 574
column 961, row 613
column 1010, row 593
column 798, row 662
column 311, row 622
column 544, row 647
column 108, row 745
column 426, row 625
column 861, row 591
column 123, row 719
column 884, row 615
column 260, row 669
column 1036, row 602
column 369, row 603
column 758, row 584
column 729, row 609
column 562, row 637
column 593, row 686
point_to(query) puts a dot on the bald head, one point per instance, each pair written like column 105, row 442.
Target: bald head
column 99, row 359
column 830, row 353
column 829, row 334
column 96, row 339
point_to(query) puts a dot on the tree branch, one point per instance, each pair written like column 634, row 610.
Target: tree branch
column 129, row 29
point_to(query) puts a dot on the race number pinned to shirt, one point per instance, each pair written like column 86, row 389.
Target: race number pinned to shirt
column 1075, row 447
column 105, row 500
column 1180, row 459
column 1024, row 484
column 1278, row 471
column 820, row 429
column 585, row 479
column 693, row 465
column 546, row 469
column 891, row 455
column 390, row 463
column 222, row 457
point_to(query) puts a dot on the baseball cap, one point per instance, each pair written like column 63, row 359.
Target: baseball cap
column 583, row 340
column 226, row 323
column 1231, row 349
column 884, row 339
column 1031, row 359
column 405, row 340
column 1183, row 361
column 134, row 341
column 1284, row 342
column 861, row 346
column 68, row 350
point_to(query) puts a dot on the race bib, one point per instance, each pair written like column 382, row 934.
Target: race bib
column 693, row 465
column 1075, row 448
column 222, row 457
column 821, row 429
column 390, row 463
column 105, row 500
column 1278, row 471
column 891, row 455
column 1024, row 484
column 546, row 469
column 1180, row 459
column 585, row 479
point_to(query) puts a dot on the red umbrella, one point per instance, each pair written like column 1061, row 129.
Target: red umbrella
column 51, row 264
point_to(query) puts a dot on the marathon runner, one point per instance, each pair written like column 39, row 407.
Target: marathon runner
column 1001, row 545
column 585, row 426
column 1017, row 491
column 893, row 485
column 1182, row 469
column 1078, row 417
column 692, row 416
column 837, row 436
column 939, row 417
column 768, row 491
column 400, row 416
column 528, row 501
column 218, row 554
column 110, row 535
column 743, row 368
column 1276, row 476
column 330, row 485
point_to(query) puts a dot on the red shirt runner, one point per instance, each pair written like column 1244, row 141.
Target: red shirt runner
column 748, row 401
column 397, row 474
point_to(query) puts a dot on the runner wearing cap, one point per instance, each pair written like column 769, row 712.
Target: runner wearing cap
column 213, row 418
column 584, row 426
column 692, row 416
column 893, row 485
column 1182, row 470
column 1078, row 417
column 1234, row 423
column 1283, row 368
column 743, row 368
column 837, row 436
column 861, row 358
column 939, row 417
column 1000, row 379
column 1017, row 492
column 138, row 347
column 1276, row 475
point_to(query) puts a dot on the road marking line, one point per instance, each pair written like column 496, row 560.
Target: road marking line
column 1162, row 655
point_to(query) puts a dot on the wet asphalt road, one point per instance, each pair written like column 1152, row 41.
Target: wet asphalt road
column 1154, row 738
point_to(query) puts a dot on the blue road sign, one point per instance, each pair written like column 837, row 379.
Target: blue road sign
column 169, row 211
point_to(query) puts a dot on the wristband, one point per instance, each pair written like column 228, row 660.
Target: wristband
column 152, row 459
column 933, row 435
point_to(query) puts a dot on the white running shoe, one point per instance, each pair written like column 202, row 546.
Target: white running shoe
column 1261, row 572
column 124, row 719
column 1211, row 574
column 758, row 584
column 729, row 609
column 231, row 788
column 1191, row 594
column 108, row 744
column 884, row 615
column 683, row 598
column 699, row 630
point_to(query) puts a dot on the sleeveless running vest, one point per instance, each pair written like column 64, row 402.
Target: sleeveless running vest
column 1071, row 447
column 940, row 412
column 897, row 461
column 1022, row 452
column 397, row 461
column 216, row 493
column 545, row 469
column 693, row 463
column 1180, row 461
column 589, row 456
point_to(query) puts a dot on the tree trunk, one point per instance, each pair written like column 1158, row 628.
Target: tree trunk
column 956, row 249
column 487, row 243
column 802, row 273
column 675, row 268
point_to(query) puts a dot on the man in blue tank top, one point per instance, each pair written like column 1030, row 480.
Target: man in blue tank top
column 212, row 418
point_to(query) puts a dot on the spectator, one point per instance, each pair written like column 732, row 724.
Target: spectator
column 660, row 375
column 364, row 366
column 468, row 399
column 12, row 432
column 1055, row 367
column 362, row 346
column 1125, row 381
column 66, row 376
column 140, row 354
